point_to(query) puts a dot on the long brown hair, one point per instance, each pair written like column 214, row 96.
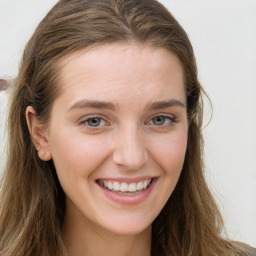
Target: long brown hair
column 32, row 202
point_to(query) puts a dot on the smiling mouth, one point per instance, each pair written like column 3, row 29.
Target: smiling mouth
column 125, row 188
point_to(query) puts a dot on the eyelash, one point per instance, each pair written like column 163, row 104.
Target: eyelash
column 168, row 122
column 85, row 122
column 171, row 121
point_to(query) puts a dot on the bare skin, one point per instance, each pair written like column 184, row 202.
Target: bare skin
column 117, row 137
column 103, row 242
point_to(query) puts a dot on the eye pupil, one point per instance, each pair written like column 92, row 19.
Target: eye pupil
column 159, row 120
column 94, row 122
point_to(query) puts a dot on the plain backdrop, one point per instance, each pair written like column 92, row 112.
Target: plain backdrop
column 223, row 34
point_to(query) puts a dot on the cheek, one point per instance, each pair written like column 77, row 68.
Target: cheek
column 76, row 154
column 170, row 153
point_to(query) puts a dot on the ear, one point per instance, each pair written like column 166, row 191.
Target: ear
column 38, row 134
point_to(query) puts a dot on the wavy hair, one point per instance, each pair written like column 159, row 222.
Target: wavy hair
column 32, row 203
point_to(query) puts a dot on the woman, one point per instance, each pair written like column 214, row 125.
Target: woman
column 105, row 139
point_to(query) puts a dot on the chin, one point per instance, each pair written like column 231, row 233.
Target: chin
column 129, row 227
column 130, row 231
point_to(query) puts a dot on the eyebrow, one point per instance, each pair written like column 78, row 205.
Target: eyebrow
column 108, row 105
column 166, row 104
column 93, row 104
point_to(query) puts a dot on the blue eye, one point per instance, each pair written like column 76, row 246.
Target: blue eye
column 162, row 120
column 159, row 120
column 95, row 122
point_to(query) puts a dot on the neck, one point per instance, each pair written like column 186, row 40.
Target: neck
column 86, row 239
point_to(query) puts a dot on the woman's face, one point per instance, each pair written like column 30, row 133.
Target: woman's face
column 118, row 135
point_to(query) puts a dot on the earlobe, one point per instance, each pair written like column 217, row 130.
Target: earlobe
column 38, row 135
column 44, row 155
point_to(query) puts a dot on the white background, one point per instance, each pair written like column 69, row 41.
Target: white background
column 223, row 33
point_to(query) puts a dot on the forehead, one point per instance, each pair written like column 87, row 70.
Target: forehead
column 119, row 70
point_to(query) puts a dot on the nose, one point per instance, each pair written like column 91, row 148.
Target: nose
column 130, row 150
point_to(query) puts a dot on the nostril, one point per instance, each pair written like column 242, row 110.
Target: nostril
column 132, row 160
column 130, row 148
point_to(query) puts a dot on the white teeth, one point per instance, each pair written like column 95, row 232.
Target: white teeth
column 110, row 186
column 132, row 187
column 145, row 184
column 140, row 185
column 116, row 186
column 124, row 186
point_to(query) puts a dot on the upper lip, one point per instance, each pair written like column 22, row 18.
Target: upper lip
column 128, row 179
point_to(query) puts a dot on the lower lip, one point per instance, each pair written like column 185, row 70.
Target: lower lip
column 129, row 199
